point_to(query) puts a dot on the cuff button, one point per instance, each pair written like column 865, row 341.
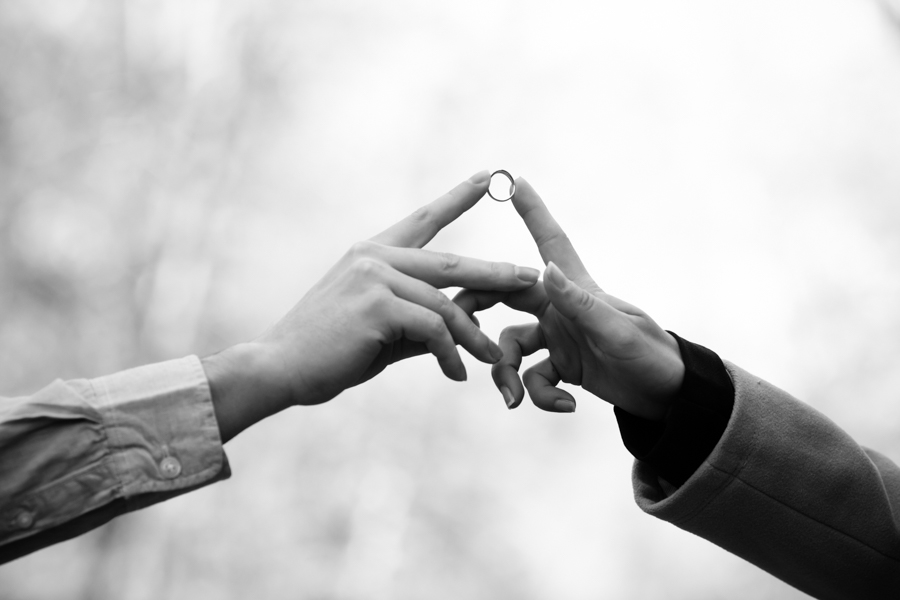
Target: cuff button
column 170, row 467
column 23, row 519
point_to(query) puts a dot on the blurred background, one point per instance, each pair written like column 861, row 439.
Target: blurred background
column 175, row 175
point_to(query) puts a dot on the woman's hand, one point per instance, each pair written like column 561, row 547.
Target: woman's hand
column 609, row 347
column 379, row 304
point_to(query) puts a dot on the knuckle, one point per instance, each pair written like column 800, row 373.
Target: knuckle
column 584, row 301
column 435, row 326
column 530, row 378
column 509, row 332
column 449, row 261
column 554, row 237
column 364, row 248
column 366, row 267
column 515, row 332
column 360, row 249
column 422, row 216
column 442, row 303
column 377, row 299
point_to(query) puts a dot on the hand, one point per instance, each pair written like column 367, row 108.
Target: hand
column 609, row 347
column 379, row 304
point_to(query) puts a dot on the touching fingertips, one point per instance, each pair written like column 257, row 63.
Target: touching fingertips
column 564, row 405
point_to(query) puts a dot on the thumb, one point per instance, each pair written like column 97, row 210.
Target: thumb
column 573, row 301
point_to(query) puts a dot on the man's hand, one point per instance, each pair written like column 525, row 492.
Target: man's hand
column 379, row 304
column 609, row 347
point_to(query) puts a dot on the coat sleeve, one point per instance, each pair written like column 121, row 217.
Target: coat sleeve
column 78, row 453
column 788, row 490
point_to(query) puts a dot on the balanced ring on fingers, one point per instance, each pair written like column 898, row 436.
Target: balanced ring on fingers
column 500, row 181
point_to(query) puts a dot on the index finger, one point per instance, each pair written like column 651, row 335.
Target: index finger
column 417, row 229
column 552, row 242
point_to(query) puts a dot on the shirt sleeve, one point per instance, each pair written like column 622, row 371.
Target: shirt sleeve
column 78, row 453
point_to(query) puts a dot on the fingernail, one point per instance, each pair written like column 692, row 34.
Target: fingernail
column 527, row 274
column 480, row 177
column 496, row 352
column 555, row 276
column 507, row 396
column 463, row 375
column 564, row 406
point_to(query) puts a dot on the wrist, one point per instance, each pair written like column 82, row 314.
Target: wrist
column 672, row 366
column 243, row 388
column 676, row 369
column 695, row 422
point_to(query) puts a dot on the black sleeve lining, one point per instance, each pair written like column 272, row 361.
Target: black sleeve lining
column 678, row 445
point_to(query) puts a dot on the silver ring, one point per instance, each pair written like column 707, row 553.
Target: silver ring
column 512, row 185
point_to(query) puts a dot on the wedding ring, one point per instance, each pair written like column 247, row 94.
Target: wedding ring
column 497, row 187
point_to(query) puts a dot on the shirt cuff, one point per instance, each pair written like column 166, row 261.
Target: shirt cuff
column 161, row 428
column 678, row 445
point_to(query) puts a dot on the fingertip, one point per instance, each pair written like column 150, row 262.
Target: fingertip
column 454, row 369
column 480, row 178
column 555, row 276
column 509, row 385
column 523, row 189
column 554, row 404
column 564, row 405
column 508, row 397
column 527, row 275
